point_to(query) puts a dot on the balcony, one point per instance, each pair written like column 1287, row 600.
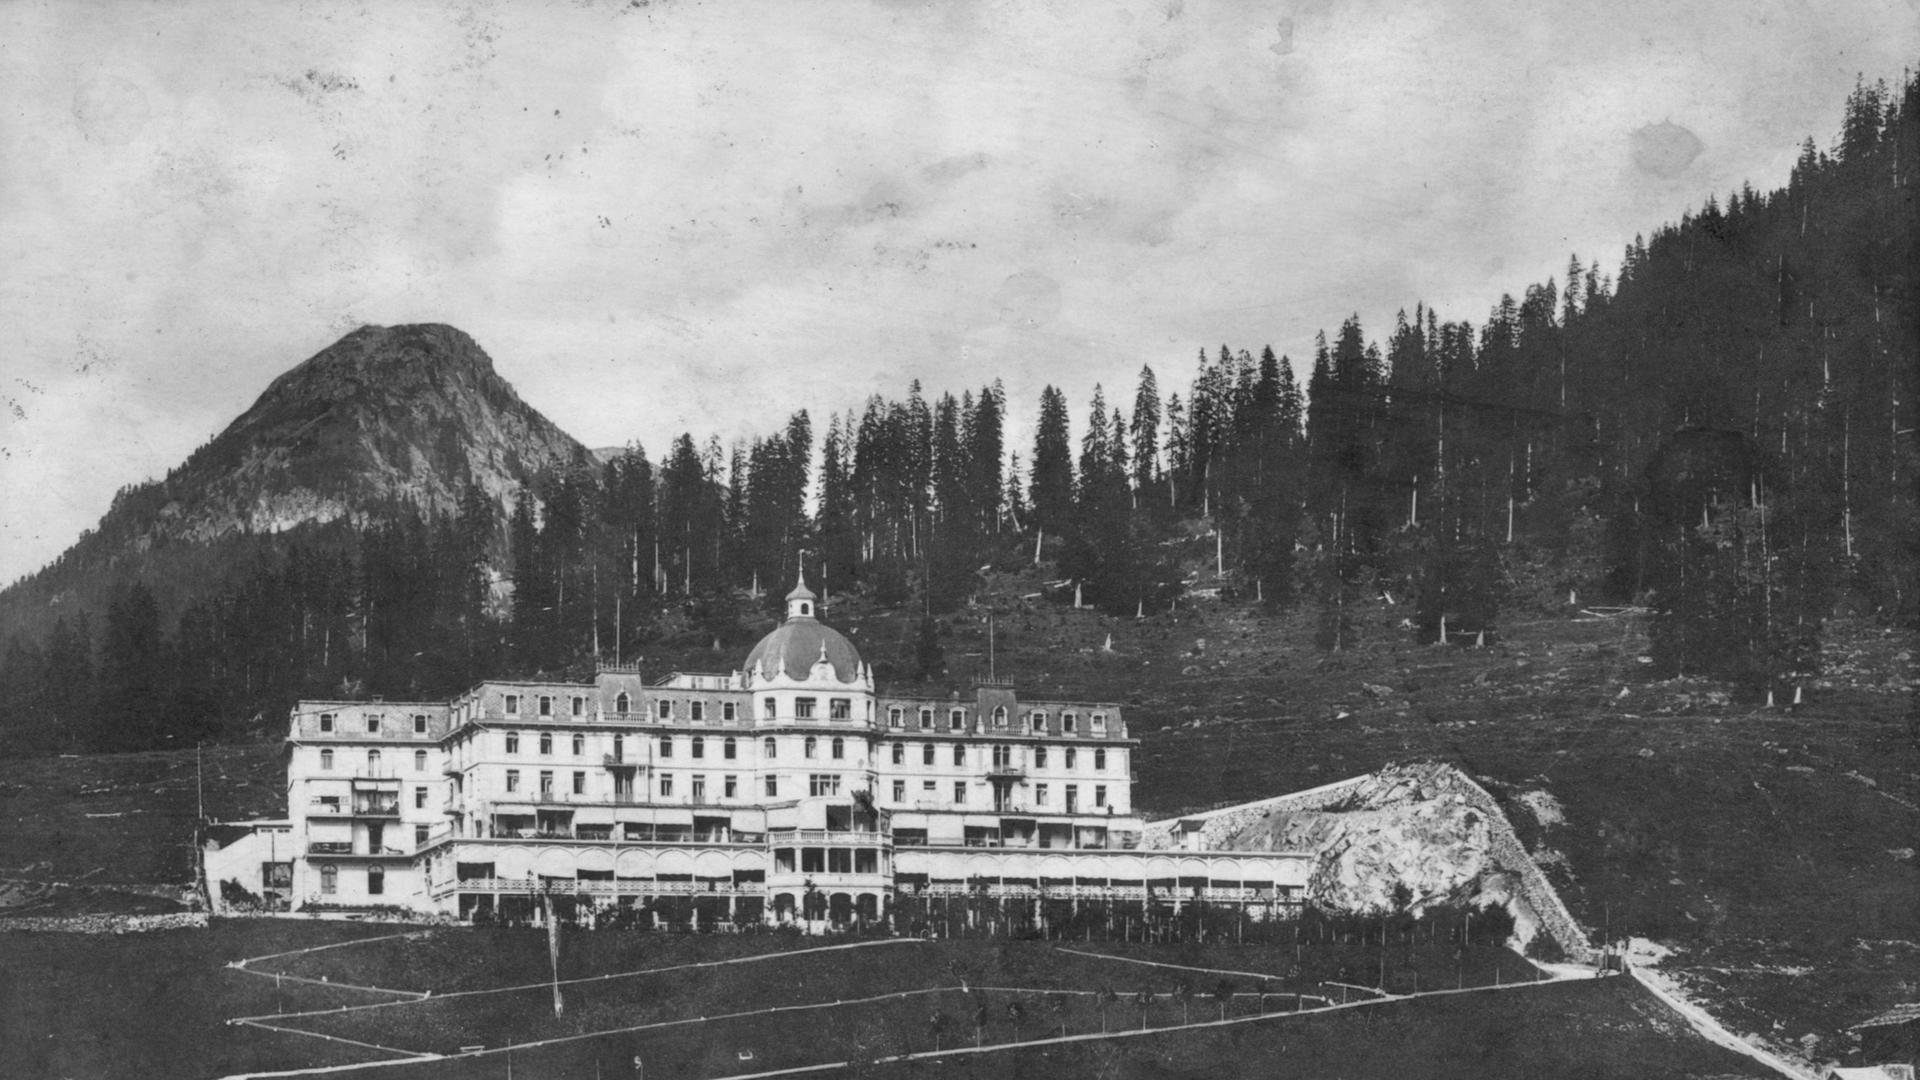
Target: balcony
column 617, row 761
column 338, row 849
column 831, row 838
column 597, row 888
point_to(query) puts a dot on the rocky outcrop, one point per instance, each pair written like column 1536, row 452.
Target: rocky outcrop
column 1403, row 838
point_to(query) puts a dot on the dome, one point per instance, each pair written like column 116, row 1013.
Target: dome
column 801, row 642
column 798, row 644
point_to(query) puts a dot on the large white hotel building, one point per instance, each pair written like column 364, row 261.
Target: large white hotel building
column 788, row 789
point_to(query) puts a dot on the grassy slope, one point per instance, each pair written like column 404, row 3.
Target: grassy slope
column 1767, row 845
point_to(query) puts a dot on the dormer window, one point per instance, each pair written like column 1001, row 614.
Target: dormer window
column 1038, row 721
column 665, row 709
column 1069, row 722
column 373, row 723
column 805, row 608
column 513, row 704
column 579, row 706
column 926, row 719
column 697, row 711
column 957, row 719
column 623, row 703
column 546, row 705
column 1099, row 723
column 1000, row 717
column 894, row 717
column 419, row 723
column 326, row 723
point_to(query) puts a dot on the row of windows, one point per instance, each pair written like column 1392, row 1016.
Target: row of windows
column 1003, row 756
column 929, row 791
column 373, row 760
column 374, row 721
column 330, row 880
column 1036, row 720
column 664, row 708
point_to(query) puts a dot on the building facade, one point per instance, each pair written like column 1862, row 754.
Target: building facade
column 791, row 789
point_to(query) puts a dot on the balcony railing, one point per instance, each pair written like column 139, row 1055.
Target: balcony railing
column 598, row 888
column 831, row 838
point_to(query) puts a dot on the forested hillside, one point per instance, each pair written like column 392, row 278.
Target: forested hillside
column 1720, row 427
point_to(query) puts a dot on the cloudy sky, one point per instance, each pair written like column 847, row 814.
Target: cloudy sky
column 669, row 216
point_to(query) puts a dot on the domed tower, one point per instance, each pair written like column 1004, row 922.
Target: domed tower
column 807, row 671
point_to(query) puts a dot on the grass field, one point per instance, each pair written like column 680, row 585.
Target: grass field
column 1772, row 849
column 159, row 1005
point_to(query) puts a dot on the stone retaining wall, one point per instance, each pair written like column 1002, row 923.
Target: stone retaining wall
column 106, row 924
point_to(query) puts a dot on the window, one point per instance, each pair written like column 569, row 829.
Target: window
column 376, row 881
column 513, row 779
column 419, row 836
column 419, row 723
column 1040, row 796
column 956, row 719
column 768, row 748
column 513, row 704
column 1039, row 757
column 730, row 786
column 513, row 742
column 729, row 748
column 927, row 788
column 899, row 791
column 926, row 719
column 579, row 782
column 1070, row 756
column 546, row 744
column 419, row 761
column 419, row 798
column 766, row 706
column 824, row 784
column 373, row 723
column 579, row 745
column 373, row 761
column 329, row 880
column 803, row 708
column 623, row 703
column 326, row 723
column 579, row 706
column 773, row 787
column 664, row 709
column 697, row 711
column 839, row 708
column 699, row 746
column 666, row 785
column 959, row 754
column 839, row 747
column 619, row 748
column 1099, row 794
column 895, row 716
column 666, row 746
column 1038, row 721
column 729, row 710
column 812, row 747
column 1069, row 722
column 1000, row 717
column 546, row 782
column 1099, row 723
column 959, row 791
column 1002, row 756
column 326, row 759
column 899, row 753
column 546, row 705
column 699, row 788
column 1073, row 798
column 1099, row 761
column 926, row 754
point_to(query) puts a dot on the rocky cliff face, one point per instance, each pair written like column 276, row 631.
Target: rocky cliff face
column 386, row 417
column 1405, row 837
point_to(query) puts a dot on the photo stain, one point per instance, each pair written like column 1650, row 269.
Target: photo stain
column 1664, row 149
